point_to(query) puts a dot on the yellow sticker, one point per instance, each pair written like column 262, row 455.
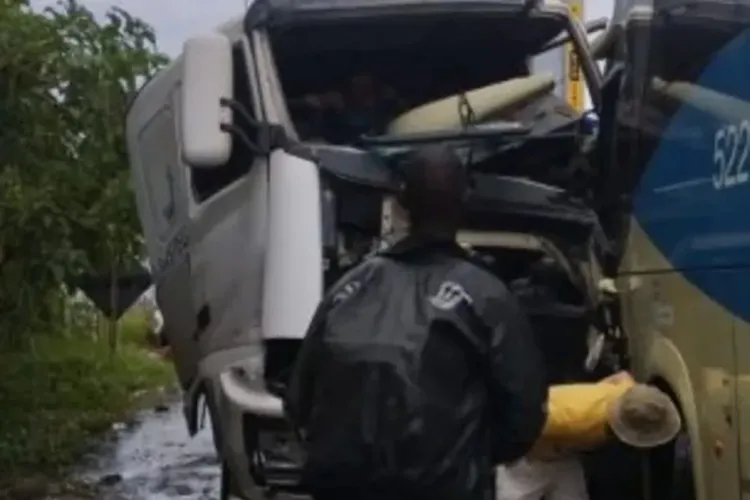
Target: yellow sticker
column 574, row 85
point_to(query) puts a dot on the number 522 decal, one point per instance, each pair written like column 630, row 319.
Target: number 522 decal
column 731, row 150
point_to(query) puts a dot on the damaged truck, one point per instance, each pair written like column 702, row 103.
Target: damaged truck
column 251, row 207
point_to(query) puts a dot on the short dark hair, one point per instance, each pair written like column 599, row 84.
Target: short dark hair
column 435, row 185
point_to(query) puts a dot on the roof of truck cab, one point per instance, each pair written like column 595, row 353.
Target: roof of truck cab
column 280, row 12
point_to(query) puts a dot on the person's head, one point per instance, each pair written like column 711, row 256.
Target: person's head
column 644, row 417
column 435, row 187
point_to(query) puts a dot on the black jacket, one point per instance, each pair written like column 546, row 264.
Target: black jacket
column 419, row 373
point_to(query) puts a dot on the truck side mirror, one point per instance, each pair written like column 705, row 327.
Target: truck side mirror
column 207, row 79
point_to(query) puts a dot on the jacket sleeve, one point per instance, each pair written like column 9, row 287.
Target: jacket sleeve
column 518, row 387
column 299, row 394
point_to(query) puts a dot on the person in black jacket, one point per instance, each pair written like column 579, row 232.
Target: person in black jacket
column 419, row 372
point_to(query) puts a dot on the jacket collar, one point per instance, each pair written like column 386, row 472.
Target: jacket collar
column 421, row 245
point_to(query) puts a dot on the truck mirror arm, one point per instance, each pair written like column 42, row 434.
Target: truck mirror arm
column 238, row 108
column 237, row 131
column 242, row 136
column 270, row 136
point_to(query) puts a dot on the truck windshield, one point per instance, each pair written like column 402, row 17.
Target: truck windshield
column 347, row 78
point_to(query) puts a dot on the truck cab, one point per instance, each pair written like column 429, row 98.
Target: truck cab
column 253, row 201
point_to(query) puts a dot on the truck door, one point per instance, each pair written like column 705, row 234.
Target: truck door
column 160, row 184
column 226, row 227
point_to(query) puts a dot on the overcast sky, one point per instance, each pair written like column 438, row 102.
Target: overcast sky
column 175, row 20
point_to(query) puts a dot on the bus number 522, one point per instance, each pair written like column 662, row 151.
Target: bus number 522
column 731, row 149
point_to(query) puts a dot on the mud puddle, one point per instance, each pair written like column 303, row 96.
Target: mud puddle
column 151, row 458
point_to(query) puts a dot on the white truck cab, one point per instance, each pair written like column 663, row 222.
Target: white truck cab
column 252, row 204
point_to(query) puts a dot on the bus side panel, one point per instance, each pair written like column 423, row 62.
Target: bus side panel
column 683, row 340
column 740, row 280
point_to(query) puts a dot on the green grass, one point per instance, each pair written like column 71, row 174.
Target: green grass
column 58, row 392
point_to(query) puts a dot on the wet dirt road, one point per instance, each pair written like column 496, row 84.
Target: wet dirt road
column 153, row 458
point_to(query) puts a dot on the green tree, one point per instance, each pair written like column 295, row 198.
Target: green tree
column 65, row 201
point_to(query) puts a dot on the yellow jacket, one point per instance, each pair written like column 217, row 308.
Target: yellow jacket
column 577, row 417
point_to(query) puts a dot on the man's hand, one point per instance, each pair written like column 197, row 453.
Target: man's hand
column 618, row 378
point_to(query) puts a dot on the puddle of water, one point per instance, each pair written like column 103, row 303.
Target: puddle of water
column 157, row 460
column 153, row 458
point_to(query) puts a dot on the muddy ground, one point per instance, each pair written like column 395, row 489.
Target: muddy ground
column 149, row 458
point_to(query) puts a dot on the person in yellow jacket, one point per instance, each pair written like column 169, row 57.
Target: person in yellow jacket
column 582, row 417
